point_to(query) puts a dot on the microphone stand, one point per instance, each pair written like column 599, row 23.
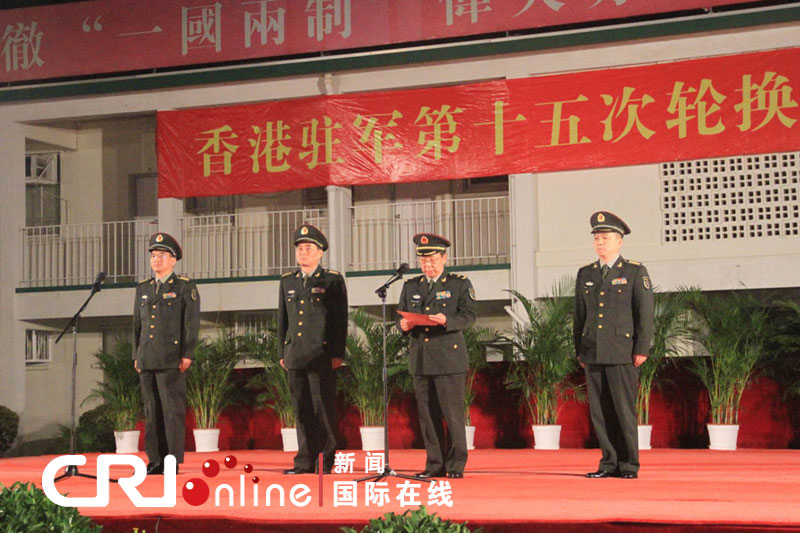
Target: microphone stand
column 387, row 470
column 72, row 470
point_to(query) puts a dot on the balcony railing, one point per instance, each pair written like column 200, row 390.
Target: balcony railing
column 260, row 243
column 477, row 227
column 74, row 254
column 243, row 244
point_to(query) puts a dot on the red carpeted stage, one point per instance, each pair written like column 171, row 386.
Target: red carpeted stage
column 503, row 490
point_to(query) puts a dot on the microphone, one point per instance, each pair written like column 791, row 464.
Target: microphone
column 402, row 269
column 98, row 281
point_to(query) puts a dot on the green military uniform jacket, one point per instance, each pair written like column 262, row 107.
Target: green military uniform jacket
column 312, row 319
column 613, row 318
column 436, row 350
column 165, row 326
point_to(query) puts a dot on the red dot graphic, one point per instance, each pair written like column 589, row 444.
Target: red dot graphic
column 255, row 479
column 248, row 468
column 195, row 492
column 230, row 461
column 210, row 468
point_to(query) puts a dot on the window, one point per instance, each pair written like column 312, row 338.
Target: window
column 43, row 189
column 38, row 346
column 210, row 205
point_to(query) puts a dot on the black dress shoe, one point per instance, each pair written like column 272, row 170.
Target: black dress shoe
column 628, row 475
column 600, row 474
column 429, row 473
column 294, row 471
column 155, row 469
column 455, row 475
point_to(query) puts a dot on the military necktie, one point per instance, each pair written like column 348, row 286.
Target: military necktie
column 158, row 286
column 305, row 281
column 605, row 270
column 430, row 284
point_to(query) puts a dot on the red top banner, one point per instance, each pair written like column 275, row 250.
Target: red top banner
column 98, row 37
column 714, row 107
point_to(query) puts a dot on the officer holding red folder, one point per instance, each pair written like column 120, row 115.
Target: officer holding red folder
column 437, row 354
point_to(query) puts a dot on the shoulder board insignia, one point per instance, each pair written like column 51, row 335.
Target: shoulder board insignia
column 145, row 281
column 590, row 265
column 287, row 274
column 184, row 278
column 633, row 262
column 462, row 276
column 334, row 272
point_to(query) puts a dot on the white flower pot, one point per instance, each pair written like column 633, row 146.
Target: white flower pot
column 206, row 440
column 546, row 437
column 127, row 441
column 645, row 432
column 722, row 436
column 371, row 438
column 470, row 437
column 289, row 436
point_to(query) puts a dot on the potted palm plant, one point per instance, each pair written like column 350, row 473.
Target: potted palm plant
column 733, row 330
column 669, row 335
column 209, row 388
column 121, row 393
column 544, row 358
column 475, row 339
column 362, row 382
column 272, row 383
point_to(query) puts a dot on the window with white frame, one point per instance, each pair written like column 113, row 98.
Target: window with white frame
column 742, row 197
column 43, row 202
column 38, row 346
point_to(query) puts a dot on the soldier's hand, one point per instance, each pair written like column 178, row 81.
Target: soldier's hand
column 404, row 325
column 439, row 318
column 136, row 366
column 282, row 365
column 185, row 364
column 639, row 359
column 336, row 362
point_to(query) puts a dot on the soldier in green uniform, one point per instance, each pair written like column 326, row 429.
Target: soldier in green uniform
column 166, row 322
column 613, row 330
column 312, row 332
column 437, row 354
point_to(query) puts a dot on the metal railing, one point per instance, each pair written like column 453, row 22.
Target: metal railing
column 73, row 254
column 243, row 244
column 477, row 227
column 261, row 244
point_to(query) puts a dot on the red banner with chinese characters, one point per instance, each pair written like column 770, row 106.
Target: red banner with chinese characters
column 99, row 36
column 739, row 104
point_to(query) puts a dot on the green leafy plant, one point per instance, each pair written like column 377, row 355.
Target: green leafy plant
column 362, row 381
column 785, row 363
column 94, row 432
column 412, row 521
column 669, row 336
column 544, row 354
column 24, row 507
column 9, row 426
column 734, row 330
column 273, row 382
column 475, row 339
column 120, row 389
column 209, row 386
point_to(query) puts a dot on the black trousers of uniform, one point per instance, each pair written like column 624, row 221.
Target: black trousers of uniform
column 164, row 398
column 441, row 398
column 313, row 397
column 612, row 406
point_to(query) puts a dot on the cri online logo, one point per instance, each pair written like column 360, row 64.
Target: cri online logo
column 195, row 491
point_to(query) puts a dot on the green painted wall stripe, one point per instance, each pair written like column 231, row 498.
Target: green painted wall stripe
column 244, row 279
column 390, row 58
